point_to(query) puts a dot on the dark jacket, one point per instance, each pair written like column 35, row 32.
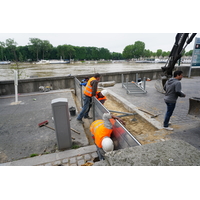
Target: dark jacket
column 94, row 85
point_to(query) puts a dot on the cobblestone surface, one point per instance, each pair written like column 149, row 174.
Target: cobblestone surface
column 73, row 161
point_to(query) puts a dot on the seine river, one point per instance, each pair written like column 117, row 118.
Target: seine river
column 51, row 70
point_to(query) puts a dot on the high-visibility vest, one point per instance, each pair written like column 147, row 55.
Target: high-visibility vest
column 88, row 87
column 100, row 98
column 99, row 131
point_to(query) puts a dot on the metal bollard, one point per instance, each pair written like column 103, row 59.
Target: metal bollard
column 62, row 122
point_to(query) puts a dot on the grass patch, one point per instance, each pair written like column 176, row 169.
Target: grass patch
column 34, row 154
column 75, row 146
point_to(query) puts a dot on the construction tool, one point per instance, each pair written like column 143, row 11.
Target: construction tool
column 125, row 114
column 75, row 131
column 45, row 124
column 152, row 115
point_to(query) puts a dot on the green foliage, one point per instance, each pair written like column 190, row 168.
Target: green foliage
column 189, row 53
column 75, row 146
column 159, row 53
column 134, row 51
column 34, row 154
column 38, row 49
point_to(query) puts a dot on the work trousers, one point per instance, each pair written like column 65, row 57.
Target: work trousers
column 86, row 108
column 170, row 109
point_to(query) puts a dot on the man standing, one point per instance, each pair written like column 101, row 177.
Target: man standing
column 89, row 92
column 173, row 91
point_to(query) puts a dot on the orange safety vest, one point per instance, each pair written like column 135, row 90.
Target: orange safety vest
column 88, row 87
column 100, row 98
column 99, row 131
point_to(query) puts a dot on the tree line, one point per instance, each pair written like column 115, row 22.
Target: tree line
column 38, row 49
column 137, row 50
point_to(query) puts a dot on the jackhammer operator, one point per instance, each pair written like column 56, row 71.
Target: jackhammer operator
column 101, row 131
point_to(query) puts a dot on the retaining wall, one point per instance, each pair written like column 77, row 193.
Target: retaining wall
column 63, row 82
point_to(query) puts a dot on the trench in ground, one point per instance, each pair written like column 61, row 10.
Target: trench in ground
column 141, row 129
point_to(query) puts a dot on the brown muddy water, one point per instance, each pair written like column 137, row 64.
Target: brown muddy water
column 51, row 70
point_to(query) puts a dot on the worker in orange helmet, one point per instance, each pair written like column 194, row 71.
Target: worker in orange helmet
column 101, row 131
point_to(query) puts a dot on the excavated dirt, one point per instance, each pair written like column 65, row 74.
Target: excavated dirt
column 142, row 130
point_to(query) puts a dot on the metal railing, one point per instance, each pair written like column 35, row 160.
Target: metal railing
column 121, row 137
column 134, row 87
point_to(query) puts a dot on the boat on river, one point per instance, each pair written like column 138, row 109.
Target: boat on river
column 4, row 62
column 152, row 61
column 42, row 62
column 59, row 61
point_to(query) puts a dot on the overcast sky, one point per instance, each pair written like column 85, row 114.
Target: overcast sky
column 106, row 23
column 114, row 42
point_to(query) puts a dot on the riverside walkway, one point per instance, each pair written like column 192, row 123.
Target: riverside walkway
column 20, row 136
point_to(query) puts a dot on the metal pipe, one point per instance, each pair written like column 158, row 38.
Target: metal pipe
column 16, row 85
column 127, row 84
column 144, row 83
column 136, row 77
column 119, row 112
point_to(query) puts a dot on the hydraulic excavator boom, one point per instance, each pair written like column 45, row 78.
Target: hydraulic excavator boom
column 177, row 52
column 181, row 42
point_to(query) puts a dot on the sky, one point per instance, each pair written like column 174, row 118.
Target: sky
column 114, row 42
column 106, row 23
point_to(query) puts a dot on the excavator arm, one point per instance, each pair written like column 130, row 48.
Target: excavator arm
column 181, row 41
column 177, row 52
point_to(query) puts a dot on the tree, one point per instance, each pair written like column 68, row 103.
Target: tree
column 11, row 44
column 35, row 46
column 134, row 51
column 70, row 51
column 128, row 52
column 189, row 53
column 158, row 53
column 104, row 54
column 138, row 49
column 2, row 45
column 45, row 47
column 80, row 53
column 116, row 56
column 147, row 53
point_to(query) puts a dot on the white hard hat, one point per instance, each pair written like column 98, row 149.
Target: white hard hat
column 107, row 144
column 104, row 92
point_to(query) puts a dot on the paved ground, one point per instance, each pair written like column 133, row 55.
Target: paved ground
column 20, row 136
column 78, row 157
column 186, row 127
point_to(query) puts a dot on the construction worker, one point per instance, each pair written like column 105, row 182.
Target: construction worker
column 84, row 81
column 101, row 131
column 89, row 92
column 101, row 96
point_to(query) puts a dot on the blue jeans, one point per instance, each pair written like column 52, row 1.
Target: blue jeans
column 170, row 109
column 86, row 108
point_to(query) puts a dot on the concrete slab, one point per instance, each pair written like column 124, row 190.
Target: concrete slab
column 20, row 135
column 168, row 153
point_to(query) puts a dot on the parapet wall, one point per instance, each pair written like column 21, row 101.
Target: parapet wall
column 67, row 82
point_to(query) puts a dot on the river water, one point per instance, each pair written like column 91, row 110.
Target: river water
column 51, row 70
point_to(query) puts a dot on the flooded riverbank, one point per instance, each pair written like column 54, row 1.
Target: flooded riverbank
column 52, row 70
